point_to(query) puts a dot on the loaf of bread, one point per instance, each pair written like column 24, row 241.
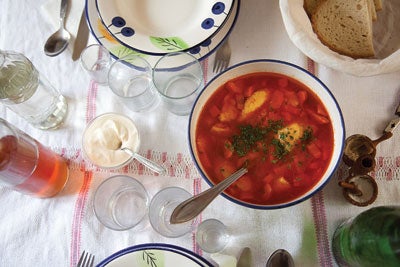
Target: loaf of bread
column 345, row 26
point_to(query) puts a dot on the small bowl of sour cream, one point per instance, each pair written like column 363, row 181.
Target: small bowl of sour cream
column 105, row 135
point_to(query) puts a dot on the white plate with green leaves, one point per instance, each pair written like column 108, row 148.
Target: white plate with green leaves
column 158, row 27
column 119, row 50
column 154, row 255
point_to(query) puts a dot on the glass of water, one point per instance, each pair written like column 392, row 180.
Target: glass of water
column 161, row 207
column 212, row 235
column 96, row 60
column 120, row 202
column 178, row 77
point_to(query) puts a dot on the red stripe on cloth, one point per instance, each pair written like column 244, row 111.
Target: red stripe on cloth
column 77, row 218
column 319, row 212
column 91, row 101
column 321, row 229
column 82, row 196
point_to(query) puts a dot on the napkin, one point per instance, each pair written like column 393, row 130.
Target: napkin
column 386, row 40
column 51, row 12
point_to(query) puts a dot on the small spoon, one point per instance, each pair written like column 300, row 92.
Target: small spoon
column 59, row 40
column 192, row 207
column 280, row 258
column 117, row 145
column 146, row 162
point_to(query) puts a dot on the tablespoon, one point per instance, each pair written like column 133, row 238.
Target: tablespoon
column 59, row 40
column 192, row 207
column 280, row 258
column 146, row 162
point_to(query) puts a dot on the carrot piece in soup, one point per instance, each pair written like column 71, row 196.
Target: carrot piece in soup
column 221, row 129
column 234, row 87
column 283, row 82
column 244, row 183
column 267, row 192
column 249, row 91
column 277, row 99
column 229, row 112
column 302, row 96
column 319, row 119
column 314, row 150
column 214, row 111
column 281, row 185
column 201, row 142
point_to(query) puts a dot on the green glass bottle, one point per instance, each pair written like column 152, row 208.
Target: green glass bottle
column 372, row 238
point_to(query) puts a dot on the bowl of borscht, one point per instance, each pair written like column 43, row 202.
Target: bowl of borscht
column 277, row 120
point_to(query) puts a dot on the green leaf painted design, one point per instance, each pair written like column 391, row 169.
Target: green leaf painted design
column 122, row 51
column 169, row 44
column 151, row 258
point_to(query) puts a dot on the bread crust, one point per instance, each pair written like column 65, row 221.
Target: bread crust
column 345, row 30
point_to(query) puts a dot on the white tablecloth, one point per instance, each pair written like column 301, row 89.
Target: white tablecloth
column 53, row 232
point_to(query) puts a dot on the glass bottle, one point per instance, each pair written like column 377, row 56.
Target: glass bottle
column 28, row 166
column 372, row 238
column 28, row 94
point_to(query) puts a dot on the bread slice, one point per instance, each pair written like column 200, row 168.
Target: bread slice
column 345, row 26
column 372, row 10
column 378, row 5
column 310, row 6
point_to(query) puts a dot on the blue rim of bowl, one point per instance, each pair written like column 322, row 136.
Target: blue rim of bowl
column 275, row 206
column 161, row 54
column 160, row 246
column 207, row 54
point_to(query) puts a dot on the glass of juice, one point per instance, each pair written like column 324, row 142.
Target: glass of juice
column 29, row 167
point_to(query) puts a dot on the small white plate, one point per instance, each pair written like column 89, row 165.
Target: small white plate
column 154, row 255
column 159, row 26
column 119, row 50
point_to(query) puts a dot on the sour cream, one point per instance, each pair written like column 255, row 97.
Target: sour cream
column 105, row 135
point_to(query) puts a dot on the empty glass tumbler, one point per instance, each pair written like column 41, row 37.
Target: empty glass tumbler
column 28, row 94
column 28, row 166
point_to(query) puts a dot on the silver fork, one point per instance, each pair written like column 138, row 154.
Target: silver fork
column 222, row 57
column 86, row 260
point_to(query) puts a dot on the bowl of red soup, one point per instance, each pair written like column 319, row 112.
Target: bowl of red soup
column 273, row 118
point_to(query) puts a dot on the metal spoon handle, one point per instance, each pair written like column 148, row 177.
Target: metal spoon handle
column 148, row 163
column 192, row 207
column 63, row 10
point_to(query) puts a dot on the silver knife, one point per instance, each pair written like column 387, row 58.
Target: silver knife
column 245, row 258
column 81, row 37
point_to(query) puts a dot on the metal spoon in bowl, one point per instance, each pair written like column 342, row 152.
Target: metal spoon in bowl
column 192, row 207
column 146, row 162
column 59, row 40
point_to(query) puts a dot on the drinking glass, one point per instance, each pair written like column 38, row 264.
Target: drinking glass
column 372, row 238
column 120, row 202
column 212, row 235
column 26, row 92
column 161, row 207
column 178, row 77
column 29, row 167
column 130, row 79
column 96, row 60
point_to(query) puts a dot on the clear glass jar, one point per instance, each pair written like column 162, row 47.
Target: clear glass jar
column 28, row 94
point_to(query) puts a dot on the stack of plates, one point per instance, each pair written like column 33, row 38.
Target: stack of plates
column 155, row 254
column 124, row 27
